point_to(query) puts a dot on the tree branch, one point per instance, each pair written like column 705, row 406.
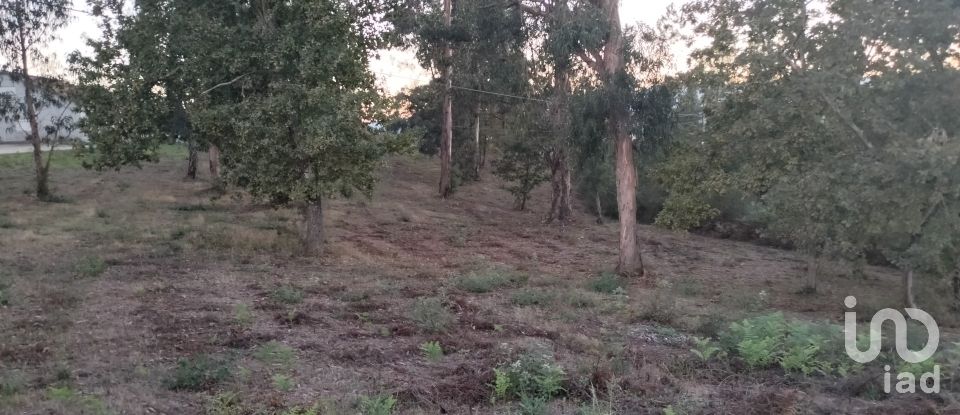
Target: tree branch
column 224, row 84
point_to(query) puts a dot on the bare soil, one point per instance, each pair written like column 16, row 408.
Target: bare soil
column 188, row 273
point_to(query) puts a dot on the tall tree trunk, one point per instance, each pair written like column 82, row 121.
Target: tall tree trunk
column 560, row 181
column 193, row 158
column 314, row 234
column 813, row 270
column 956, row 290
column 599, row 208
column 613, row 68
column 629, row 262
column 908, row 299
column 446, row 135
column 42, row 188
column 476, row 141
column 560, row 207
column 213, row 153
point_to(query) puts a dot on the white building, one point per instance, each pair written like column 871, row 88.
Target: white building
column 18, row 131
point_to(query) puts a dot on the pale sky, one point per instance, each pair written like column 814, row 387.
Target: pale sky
column 402, row 66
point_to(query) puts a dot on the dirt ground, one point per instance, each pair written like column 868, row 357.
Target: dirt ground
column 108, row 290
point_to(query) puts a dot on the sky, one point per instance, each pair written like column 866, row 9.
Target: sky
column 396, row 70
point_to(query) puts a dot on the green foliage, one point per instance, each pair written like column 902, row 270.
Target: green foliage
column 224, row 403
column 607, row 283
column 432, row 350
column 532, row 297
column 377, row 405
column 705, row 349
column 242, row 315
column 523, row 166
column 431, row 315
column 287, row 294
column 275, row 354
column 89, row 267
column 533, row 378
column 797, row 346
column 198, row 373
column 282, row 382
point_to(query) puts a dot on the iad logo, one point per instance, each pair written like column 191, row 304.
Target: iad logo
column 906, row 381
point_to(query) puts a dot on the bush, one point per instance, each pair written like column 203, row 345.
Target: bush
column 377, row 405
column 89, row 267
column 287, row 294
column 533, row 377
column 797, row 346
column 431, row 315
column 198, row 373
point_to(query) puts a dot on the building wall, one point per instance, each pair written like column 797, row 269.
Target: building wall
column 19, row 131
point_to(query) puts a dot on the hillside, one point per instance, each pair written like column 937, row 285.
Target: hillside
column 144, row 293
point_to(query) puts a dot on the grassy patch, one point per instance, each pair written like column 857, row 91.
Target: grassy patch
column 89, row 267
column 199, row 373
column 432, row 350
column 490, row 279
column 287, row 294
column 532, row 297
column 74, row 402
column 431, row 315
column 607, row 283
column 275, row 354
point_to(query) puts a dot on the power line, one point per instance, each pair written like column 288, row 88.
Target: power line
column 499, row 94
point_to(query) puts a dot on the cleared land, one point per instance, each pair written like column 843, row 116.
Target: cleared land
column 144, row 293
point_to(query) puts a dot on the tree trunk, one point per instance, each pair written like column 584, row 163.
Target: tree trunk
column 629, row 262
column 560, row 207
column 813, row 269
column 908, row 300
column 599, row 209
column 192, row 159
column 42, row 189
column 314, row 234
column 446, row 135
column 560, row 181
column 956, row 290
column 476, row 141
column 214, row 156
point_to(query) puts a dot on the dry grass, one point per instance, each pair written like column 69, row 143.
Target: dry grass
column 175, row 274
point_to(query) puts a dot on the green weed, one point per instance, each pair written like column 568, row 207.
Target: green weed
column 275, row 354
column 607, row 283
column 287, row 294
column 532, row 296
column 199, row 373
column 376, row 405
column 479, row 282
column 282, row 382
column 432, row 350
column 89, row 267
column 431, row 315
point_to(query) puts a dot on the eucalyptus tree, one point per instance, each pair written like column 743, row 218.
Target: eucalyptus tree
column 25, row 28
column 837, row 128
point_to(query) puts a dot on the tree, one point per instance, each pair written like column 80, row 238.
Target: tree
column 523, row 163
column 839, row 133
column 25, row 26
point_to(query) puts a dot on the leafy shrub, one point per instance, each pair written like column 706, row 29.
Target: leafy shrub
column 89, row 267
column 607, row 283
column 275, row 354
column 287, row 294
column 377, row 405
column 479, row 282
column 282, row 382
column 432, row 350
column 797, row 346
column 198, row 373
column 580, row 299
column 704, row 349
column 533, row 376
column 430, row 314
column 531, row 297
